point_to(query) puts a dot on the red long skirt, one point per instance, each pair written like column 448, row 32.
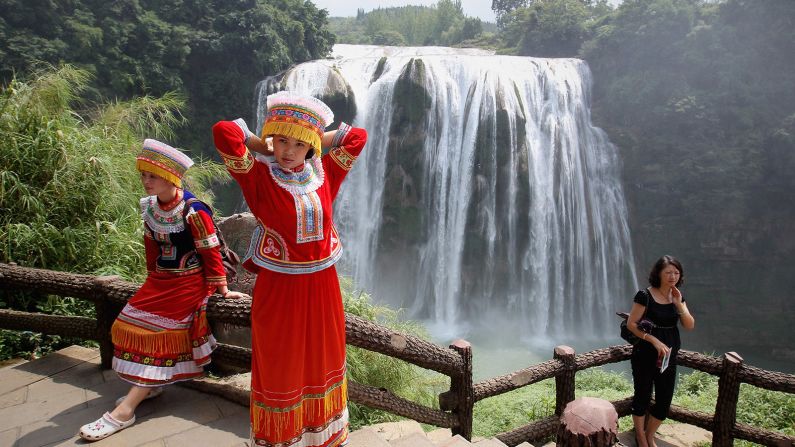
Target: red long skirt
column 162, row 335
column 298, row 388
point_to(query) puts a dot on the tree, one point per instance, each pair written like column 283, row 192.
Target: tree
column 472, row 28
column 549, row 28
column 444, row 24
column 448, row 14
column 388, row 37
column 213, row 51
column 503, row 8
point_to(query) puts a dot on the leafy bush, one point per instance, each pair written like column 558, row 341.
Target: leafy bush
column 69, row 189
column 697, row 391
column 511, row 410
column 380, row 371
column 771, row 410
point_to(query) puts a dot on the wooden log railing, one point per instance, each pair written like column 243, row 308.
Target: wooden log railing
column 456, row 405
column 109, row 294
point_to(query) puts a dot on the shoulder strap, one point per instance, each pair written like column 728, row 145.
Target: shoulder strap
column 648, row 301
column 192, row 200
column 189, row 202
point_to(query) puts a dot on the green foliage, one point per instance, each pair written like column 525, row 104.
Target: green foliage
column 548, row 28
column 388, row 37
column 698, row 97
column 380, row 371
column 69, row 190
column 441, row 24
column 771, row 410
column 697, row 391
column 68, row 201
column 211, row 51
column 511, row 410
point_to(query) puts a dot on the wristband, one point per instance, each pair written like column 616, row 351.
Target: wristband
column 223, row 295
column 644, row 336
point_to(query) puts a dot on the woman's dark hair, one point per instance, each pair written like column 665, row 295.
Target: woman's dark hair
column 665, row 261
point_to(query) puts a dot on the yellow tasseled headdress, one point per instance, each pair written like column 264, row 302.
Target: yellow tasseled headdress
column 297, row 116
column 163, row 160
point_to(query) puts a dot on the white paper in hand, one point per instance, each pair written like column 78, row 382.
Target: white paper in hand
column 666, row 359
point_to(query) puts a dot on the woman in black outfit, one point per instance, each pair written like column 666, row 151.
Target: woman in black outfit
column 666, row 308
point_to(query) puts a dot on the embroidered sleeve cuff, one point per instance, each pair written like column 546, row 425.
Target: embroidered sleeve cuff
column 229, row 138
column 207, row 242
column 216, row 280
column 342, row 158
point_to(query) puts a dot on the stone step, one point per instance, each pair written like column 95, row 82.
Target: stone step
column 413, row 440
column 455, row 441
column 409, row 433
column 391, row 431
column 491, row 442
column 365, row 437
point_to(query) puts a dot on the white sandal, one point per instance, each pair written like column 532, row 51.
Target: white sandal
column 154, row 392
column 103, row 427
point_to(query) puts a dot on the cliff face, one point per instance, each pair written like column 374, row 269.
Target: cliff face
column 728, row 214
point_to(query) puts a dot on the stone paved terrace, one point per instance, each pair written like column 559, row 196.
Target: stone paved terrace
column 44, row 403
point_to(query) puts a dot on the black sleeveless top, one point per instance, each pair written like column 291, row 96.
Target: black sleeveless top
column 665, row 319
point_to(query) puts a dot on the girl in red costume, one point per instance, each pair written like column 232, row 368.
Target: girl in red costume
column 298, row 384
column 162, row 336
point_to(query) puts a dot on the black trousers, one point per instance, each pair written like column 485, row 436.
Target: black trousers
column 645, row 376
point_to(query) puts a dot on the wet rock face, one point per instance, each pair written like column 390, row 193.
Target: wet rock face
column 339, row 97
column 402, row 211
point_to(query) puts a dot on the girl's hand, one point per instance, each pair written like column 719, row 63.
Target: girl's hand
column 232, row 295
column 253, row 143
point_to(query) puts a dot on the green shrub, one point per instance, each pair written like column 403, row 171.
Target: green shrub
column 69, row 189
column 380, row 371
column 697, row 391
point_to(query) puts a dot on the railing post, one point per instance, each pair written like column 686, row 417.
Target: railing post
column 106, row 314
column 464, row 391
column 726, row 406
column 564, row 382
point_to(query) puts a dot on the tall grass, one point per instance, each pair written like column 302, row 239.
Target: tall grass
column 373, row 369
column 696, row 391
column 69, row 189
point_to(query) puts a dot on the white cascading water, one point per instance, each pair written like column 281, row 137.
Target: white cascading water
column 521, row 210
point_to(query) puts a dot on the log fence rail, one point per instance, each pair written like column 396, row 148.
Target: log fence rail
column 109, row 294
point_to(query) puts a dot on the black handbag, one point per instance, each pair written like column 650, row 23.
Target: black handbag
column 643, row 324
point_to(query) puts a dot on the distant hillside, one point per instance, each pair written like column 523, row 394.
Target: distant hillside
column 443, row 24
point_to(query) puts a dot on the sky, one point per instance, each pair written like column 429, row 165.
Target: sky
column 338, row 8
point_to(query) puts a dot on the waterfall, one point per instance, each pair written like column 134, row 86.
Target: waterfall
column 484, row 190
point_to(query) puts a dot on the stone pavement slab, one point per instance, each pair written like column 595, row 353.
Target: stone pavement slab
column 24, row 374
column 396, row 430
column 44, row 402
column 684, row 435
column 455, row 441
column 366, row 438
column 412, row 440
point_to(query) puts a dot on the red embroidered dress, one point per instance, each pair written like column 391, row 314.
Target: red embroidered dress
column 298, row 386
column 162, row 336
